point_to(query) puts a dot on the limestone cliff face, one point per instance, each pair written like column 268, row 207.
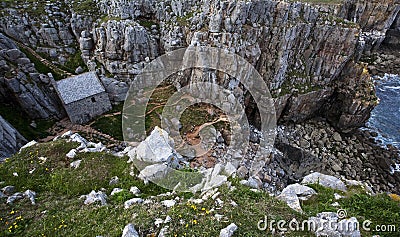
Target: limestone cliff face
column 374, row 17
column 45, row 27
column 392, row 38
column 123, row 46
column 22, row 85
column 10, row 139
column 308, row 54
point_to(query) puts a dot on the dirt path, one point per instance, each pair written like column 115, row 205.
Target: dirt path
column 43, row 60
column 65, row 125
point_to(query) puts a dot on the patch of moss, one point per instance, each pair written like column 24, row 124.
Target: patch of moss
column 86, row 7
column 111, row 123
column 320, row 202
column 108, row 18
column 148, row 24
column 184, row 20
column 75, row 61
column 301, row 88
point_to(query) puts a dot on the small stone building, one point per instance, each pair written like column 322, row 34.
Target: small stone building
column 83, row 97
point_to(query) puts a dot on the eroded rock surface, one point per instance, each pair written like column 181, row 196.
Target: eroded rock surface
column 10, row 139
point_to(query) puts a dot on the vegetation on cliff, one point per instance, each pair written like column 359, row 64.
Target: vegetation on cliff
column 45, row 169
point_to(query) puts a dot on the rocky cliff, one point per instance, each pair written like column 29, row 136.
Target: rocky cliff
column 10, row 139
column 307, row 53
column 22, row 85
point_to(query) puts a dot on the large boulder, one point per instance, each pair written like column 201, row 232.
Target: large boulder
column 156, row 149
column 130, row 231
column 293, row 193
column 324, row 180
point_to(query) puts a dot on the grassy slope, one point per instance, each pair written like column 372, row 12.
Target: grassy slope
column 59, row 212
column 110, row 123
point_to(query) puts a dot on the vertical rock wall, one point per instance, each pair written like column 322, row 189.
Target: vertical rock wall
column 23, row 86
column 10, row 139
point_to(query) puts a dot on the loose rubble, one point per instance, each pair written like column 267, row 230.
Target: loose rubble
column 329, row 224
column 94, row 197
column 132, row 201
column 130, row 231
column 228, row 231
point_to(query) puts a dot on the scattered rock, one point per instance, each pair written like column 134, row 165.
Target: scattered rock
column 115, row 191
column 29, row 144
column 254, row 182
column 15, row 197
column 94, row 197
column 211, row 179
column 168, row 203
column 79, row 70
column 157, row 149
column 31, row 195
column 8, row 190
column 228, row 231
column 75, row 164
column 153, row 172
column 158, row 222
column 218, row 217
column 337, row 137
column 163, row 232
column 337, row 196
column 130, row 231
column 132, row 201
column 71, row 154
column 114, row 180
column 242, row 172
column 134, row 190
column 167, row 219
column 229, row 169
column 329, row 224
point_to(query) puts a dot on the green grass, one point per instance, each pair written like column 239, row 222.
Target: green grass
column 87, row 7
column 156, row 104
column 321, row 202
column 60, row 212
column 105, row 19
column 302, row 88
column 193, row 116
column 74, row 61
column 379, row 209
column 20, row 120
column 111, row 124
column 41, row 67
column 148, row 23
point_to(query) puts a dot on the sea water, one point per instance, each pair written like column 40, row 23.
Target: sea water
column 385, row 118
